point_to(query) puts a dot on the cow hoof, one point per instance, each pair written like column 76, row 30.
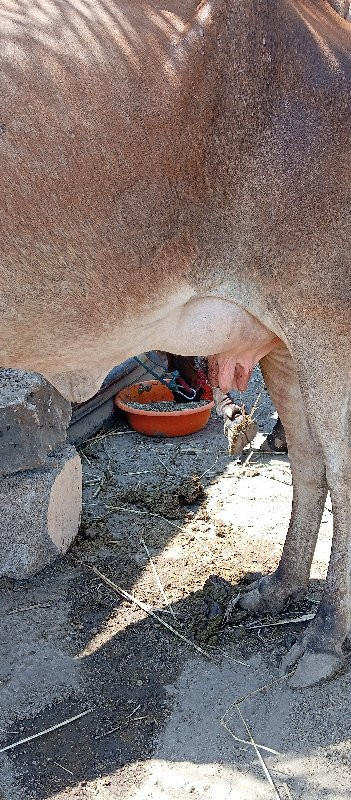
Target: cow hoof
column 251, row 600
column 267, row 596
column 275, row 441
column 313, row 668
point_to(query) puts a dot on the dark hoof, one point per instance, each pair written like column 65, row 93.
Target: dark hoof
column 251, row 601
column 267, row 595
column 315, row 668
column 276, row 441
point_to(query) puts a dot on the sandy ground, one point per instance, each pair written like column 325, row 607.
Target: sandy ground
column 164, row 721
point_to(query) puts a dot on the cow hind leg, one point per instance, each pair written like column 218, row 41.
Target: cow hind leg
column 319, row 447
column 290, row 580
column 325, row 383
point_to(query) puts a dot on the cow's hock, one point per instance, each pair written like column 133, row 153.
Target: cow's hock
column 40, row 514
column 33, row 420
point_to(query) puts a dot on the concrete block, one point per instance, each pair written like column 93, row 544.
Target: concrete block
column 33, row 420
column 40, row 514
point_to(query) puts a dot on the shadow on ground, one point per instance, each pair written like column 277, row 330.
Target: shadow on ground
column 70, row 644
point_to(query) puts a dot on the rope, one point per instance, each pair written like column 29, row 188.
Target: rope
column 155, row 375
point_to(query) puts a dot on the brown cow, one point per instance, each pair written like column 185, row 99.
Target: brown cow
column 178, row 177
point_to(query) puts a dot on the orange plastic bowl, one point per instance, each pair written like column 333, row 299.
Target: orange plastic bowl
column 160, row 423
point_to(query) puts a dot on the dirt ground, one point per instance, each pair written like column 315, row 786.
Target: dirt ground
column 178, row 525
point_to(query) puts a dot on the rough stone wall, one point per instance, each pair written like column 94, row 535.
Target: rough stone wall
column 40, row 476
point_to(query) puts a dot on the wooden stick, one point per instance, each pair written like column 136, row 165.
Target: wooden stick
column 153, row 514
column 47, row 730
column 259, row 756
column 62, row 767
column 144, row 607
column 209, row 468
column 157, row 579
column 247, row 741
column 117, row 728
column 288, row 621
column 269, row 685
column 28, row 608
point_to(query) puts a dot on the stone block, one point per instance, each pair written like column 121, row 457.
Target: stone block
column 40, row 514
column 33, row 420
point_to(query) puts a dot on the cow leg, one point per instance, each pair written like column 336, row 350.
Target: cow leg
column 319, row 650
column 290, row 580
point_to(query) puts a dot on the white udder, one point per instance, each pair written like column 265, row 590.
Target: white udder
column 232, row 338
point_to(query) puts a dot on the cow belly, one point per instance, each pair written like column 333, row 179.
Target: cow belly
column 232, row 339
